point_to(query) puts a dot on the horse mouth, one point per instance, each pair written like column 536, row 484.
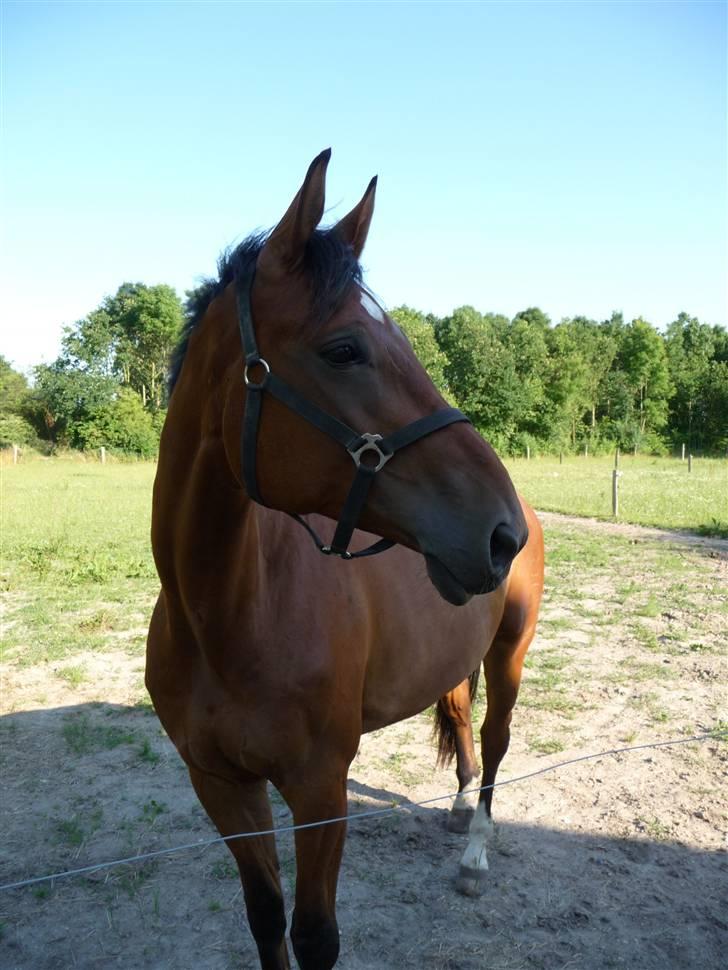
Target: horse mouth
column 450, row 588
column 445, row 583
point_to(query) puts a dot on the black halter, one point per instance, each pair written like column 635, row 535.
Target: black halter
column 380, row 449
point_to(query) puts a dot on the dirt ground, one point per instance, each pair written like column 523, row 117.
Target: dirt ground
column 617, row 862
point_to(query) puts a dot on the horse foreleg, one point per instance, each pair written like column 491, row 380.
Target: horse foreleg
column 314, row 930
column 503, row 665
column 244, row 807
column 455, row 729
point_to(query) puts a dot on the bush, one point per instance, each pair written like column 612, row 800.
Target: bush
column 125, row 425
column 15, row 430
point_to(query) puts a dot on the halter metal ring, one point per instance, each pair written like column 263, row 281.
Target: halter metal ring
column 370, row 444
column 253, row 385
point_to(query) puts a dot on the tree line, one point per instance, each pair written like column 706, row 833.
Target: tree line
column 524, row 382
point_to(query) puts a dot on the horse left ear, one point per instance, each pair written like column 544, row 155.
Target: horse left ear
column 284, row 249
column 354, row 228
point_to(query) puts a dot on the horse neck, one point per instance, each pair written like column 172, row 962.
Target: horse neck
column 198, row 476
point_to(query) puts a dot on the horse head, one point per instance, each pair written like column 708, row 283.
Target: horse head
column 322, row 333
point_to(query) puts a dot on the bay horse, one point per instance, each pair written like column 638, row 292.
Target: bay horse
column 266, row 661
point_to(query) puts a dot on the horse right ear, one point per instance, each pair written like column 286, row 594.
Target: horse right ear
column 283, row 251
column 354, row 228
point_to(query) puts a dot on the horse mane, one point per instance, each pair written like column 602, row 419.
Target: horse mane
column 329, row 263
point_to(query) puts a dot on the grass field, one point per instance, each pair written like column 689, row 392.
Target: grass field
column 630, row 648
column 652, row 491
column 77, row 567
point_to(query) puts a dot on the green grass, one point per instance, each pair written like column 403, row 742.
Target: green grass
column 76, row 559
column 83, row 737
column 652, row 491
column 75, row 674
column 546, row 745
column 147, row 753
column 79, row 575
column 152, row 809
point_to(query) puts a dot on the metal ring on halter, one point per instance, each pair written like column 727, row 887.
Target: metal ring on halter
column 370, row 444
column 252, row 384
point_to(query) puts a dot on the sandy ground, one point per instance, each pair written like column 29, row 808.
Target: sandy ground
column 618, row 862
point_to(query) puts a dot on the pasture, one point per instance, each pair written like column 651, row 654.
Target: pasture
column 612, row 863
column 652, row 491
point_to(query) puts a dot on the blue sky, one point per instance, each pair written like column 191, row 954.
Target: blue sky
column 566, row 155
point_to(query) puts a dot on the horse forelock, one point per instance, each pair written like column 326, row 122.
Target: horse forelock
column 329, row 263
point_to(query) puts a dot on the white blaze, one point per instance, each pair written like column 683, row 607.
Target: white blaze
column 372, row 307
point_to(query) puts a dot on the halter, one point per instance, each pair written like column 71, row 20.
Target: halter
column 379, row 449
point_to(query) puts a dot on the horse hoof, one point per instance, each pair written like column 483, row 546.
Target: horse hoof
column 459, row 820
column 471, row 882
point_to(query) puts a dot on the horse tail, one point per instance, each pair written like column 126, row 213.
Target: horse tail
column 444, row 729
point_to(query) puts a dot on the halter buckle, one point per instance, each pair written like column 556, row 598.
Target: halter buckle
column 328, row 551
column 251, row 384
column 369, row 444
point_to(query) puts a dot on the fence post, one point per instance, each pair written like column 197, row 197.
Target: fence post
column 690, row 463
column 682, row 457
column 616, row 457
column 16, row 454
column 586, row 450
column 528, row 452
column 102, row 453
column 615, row 492
column 561, row 458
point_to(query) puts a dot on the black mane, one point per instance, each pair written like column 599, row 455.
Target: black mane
column 329, row 263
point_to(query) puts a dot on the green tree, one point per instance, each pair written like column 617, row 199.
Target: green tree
column 690, row 347
column 420, row 332
column 125, row 424
column 568, row 384
column 66, row 402
column 598, row 348
column 714, row 406
column 14, row 393
column 482, row 374
column 130, row 336
column 526, row 338
column 91, row 344
column 13, row 389
column 642, row 358
column 148, row 321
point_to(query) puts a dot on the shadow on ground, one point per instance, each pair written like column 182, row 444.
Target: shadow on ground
column 96, row 782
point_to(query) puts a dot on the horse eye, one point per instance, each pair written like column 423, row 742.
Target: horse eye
column 342, row 354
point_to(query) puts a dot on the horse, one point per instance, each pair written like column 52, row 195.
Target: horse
column 266, row 659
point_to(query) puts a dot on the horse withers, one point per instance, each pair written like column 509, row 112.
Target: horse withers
column 294, row 392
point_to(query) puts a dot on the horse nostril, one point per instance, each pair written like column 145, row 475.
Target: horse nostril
column 504, row 546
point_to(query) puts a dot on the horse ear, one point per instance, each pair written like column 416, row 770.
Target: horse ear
column 354, row 228
column 284, row 248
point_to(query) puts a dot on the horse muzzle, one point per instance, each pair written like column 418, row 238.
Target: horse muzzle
column 458, row 574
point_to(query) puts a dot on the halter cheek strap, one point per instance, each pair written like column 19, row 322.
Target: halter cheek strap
column 369, row 452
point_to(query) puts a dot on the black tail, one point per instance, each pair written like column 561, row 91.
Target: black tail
column 444, row 729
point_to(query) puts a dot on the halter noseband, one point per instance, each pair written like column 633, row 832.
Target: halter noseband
column 358, row 445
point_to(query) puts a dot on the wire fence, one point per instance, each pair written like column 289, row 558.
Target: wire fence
column 720, row 735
